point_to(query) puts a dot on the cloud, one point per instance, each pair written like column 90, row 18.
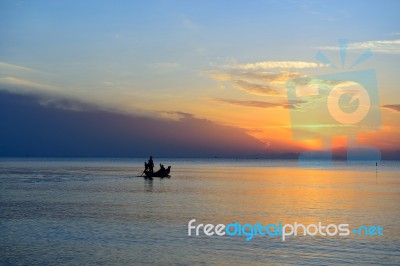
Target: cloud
column 383, row 46
column 261, row 104
column 276, row 64
column 267, row 78
column 175, row 115
column 258, row 89
column 6, row 66
column 257, row 82
column 46, row 95
column 394, row 107
column 219, row 76
column 270, row 77
column 20, row 79
column 31, row 128
column 23, row 85
column 66, row 104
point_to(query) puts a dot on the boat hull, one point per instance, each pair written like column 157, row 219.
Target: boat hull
column 159, row 173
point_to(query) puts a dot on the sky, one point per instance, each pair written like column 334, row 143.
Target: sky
column 214, row 70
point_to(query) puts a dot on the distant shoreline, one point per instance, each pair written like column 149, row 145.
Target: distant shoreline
column 182, row 158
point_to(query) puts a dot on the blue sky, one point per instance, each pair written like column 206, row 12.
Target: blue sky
column 84, row 39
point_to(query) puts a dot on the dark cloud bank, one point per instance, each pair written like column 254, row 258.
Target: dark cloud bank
column 43, row 126
column 35, row 126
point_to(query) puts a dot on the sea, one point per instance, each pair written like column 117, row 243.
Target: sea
column 99, row 211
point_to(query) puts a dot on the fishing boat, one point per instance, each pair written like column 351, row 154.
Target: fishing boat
column 160, row 173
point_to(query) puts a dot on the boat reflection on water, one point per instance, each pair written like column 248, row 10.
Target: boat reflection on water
column 148, row 185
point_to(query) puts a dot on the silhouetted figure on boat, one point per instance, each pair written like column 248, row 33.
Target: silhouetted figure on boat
column 162, row 168
column 150, row 165
column 163, row 172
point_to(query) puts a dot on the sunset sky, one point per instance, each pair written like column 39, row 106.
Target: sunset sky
column 193, row 64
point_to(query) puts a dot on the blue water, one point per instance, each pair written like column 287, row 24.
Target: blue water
column 97, row 211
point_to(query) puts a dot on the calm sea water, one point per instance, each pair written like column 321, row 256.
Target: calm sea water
column 96, row 211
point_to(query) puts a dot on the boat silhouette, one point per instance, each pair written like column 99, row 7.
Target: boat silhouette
column 160, row 173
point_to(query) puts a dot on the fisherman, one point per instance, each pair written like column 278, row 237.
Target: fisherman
column 162, row 168
column 150, row 164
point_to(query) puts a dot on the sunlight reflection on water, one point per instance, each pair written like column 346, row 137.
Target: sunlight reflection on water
column 95, row 211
